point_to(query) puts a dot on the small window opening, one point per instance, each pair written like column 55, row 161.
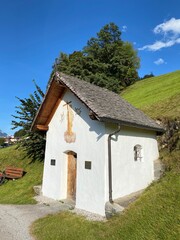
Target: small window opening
column 137, row 152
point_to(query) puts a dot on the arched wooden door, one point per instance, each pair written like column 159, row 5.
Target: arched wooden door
column 71, row 177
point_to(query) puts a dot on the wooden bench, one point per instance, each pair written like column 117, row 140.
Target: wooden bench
column 13, row 173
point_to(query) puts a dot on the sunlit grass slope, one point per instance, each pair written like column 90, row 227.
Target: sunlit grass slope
column 19, row 191
column 157, row 96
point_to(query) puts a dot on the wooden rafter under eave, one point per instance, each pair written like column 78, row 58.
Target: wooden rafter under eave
column 42, row 127
column 48, row 107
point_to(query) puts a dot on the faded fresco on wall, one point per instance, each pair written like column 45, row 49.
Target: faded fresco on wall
column 69, row 135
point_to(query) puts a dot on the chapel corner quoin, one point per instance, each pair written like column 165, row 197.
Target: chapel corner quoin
column 99, row 147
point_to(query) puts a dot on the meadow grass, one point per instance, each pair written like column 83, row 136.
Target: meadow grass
column 19, row 191
column 157, row 96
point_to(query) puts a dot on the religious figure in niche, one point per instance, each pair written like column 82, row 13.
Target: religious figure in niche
column 69, row 135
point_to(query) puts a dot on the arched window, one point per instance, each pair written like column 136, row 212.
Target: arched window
column 138, row 153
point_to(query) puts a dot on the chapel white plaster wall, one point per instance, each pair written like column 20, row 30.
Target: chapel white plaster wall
column 89, row 146
column 129, row 176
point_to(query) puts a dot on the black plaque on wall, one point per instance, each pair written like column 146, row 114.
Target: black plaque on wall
column 87, row 165
column 53, row 162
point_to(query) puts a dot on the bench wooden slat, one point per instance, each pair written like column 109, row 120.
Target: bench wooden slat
column 13, row 173
column 14, row 169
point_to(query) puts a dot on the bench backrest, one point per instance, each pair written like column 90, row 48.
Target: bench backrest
column 12, row 172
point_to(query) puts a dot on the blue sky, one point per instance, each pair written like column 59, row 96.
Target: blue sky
column 34, row 32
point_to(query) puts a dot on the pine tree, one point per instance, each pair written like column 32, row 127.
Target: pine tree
column 33, row 143
column 106, row 61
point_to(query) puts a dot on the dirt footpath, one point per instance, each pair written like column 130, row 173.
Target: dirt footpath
column 15, row 220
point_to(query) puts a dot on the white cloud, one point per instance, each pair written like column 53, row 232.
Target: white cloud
column 171, row 35
column 178, row 40
column 160, row 44
column 173, row 26
column 124, row 28
column 159, row 61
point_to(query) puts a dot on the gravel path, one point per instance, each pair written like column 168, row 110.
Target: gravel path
column 15, row 220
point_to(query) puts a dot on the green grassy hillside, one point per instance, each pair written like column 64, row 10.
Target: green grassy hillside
column 19, row 191
column 157, row 96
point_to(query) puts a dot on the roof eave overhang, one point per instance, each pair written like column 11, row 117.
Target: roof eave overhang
column 49, row 105
column 159, row 130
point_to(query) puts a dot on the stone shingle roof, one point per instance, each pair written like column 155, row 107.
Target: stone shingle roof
column 106, row 105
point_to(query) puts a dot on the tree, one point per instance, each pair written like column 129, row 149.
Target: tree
column 2, row 140
column 20, row 133
column 33, row 143
column 147, row 76
column 106, row 61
